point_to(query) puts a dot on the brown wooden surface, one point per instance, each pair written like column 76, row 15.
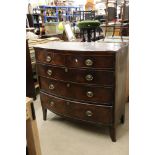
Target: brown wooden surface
column 100, row 114
column 30, row 87
column 28, row 109
column 120, row 84
column 74, row 60
column 68, row 79
column 104, row 77
column 102, row 95
column 127, row 79
column 56, row 59
column 32, row 136
column 100, row 61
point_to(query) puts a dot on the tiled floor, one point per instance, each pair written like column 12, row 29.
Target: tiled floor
column 59, row 136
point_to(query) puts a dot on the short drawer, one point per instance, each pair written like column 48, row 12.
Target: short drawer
column 78, row 110
column 49, row 57
column 92, row 94
column 104, row 62
column 89, row 76
column 52, row 103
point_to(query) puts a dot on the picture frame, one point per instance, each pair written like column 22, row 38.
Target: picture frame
column 68, row 30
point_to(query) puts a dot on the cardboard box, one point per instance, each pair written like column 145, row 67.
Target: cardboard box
column 51, row 28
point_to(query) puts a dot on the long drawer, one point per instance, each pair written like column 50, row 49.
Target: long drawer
column 75, row 60
column 88, row 93
column 89, row 76
column 77, row 110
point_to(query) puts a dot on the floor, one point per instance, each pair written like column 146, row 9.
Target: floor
column 59, row 136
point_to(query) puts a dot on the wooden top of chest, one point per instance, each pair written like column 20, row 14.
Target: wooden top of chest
column 82, row 46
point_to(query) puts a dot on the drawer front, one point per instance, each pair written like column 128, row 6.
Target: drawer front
column 82, row 111
column 104, row 62
column 77, row 75
column 58, row 106
column 78, row 92
column 48, row 57
column 78, row 61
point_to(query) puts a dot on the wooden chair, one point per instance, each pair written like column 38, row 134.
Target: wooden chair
column 32, row 136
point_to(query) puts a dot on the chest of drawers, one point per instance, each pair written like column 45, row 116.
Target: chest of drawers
column 83, row 81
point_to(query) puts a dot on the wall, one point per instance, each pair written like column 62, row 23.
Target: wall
column 41, row 2
column 81, row 2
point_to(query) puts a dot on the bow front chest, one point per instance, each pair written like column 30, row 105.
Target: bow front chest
column 83, row 81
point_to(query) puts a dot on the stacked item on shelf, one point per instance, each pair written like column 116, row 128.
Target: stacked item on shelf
column 53, row 15
column 64, row 2
column 37, row 20
column 58, row 13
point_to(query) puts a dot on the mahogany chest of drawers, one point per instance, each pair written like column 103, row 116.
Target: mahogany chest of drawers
column 83, row 81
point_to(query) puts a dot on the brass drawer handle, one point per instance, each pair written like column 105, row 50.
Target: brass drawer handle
column 49, row 72
column 68, row 85
column 67, row 103
column 51, row 86
column 66, row 70
column 88, row 62
column 89, row 113
column 48, row 58
column 90, row 94
column 89, row 77
column 52, row 103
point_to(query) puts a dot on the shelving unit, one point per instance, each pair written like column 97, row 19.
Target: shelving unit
column 36, row 23
column 58, row 13
column 37, row 20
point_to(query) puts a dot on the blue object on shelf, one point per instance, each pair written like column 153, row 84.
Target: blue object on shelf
column 51, row 16
column 67, row 8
